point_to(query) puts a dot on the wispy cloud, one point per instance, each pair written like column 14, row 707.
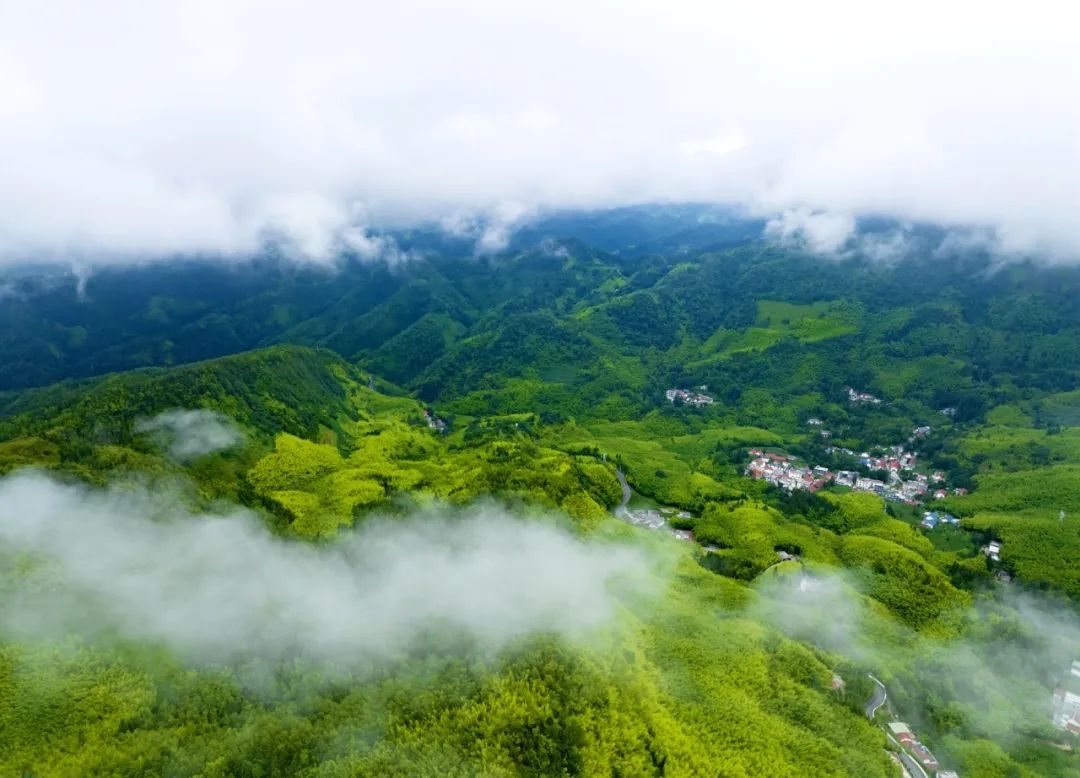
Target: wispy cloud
column 490, row 230
column 820, row 232
column 187, row 434
column 997, row 673
column 216, row 587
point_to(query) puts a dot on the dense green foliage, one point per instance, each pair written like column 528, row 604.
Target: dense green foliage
column 548, row 365
column 684, row 692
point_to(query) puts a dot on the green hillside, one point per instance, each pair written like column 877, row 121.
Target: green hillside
column 324, row 406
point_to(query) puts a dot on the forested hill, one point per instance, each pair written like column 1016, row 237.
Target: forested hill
column 423, row 324
column 58, row 324
column 840, row 470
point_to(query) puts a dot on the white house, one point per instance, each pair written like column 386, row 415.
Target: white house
column 1067, row 701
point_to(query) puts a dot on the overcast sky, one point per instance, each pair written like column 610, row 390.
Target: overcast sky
column 140, row 129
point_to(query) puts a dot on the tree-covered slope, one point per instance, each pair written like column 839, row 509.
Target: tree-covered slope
column 323, row 404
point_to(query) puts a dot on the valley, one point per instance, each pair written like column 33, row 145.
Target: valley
column 564, row 388
column 539, row 390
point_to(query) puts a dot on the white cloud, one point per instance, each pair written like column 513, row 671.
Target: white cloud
column 215, row 587
column 187, row 434
column 719, row 145
column 837, row 235
column 890, row 246
column 499, row 226
column 820, row 232
column 206, row 127
column 490, row 228
column 370, row 247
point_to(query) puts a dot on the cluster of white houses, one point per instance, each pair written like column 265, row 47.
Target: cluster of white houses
column 1067, row 701
column 903, row 484
column 434, row 422
column 688, row 397
column 780, row 470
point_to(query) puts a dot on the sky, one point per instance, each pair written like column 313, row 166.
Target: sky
column 138, row 130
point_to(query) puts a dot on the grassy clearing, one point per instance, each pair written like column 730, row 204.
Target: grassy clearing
column 1016, row 448
column 808, row 323
column 1038, row 492
column 1062, row 409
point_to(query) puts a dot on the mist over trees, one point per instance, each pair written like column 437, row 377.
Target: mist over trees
column 381, row 540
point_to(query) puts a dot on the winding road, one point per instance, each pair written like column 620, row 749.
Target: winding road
column 877, row 699
column 625, row 491
column 913, row 767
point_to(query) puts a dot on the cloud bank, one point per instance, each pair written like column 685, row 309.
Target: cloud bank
column 219, row 587
column 188, row 434
column 998, row 677
column 210, row 127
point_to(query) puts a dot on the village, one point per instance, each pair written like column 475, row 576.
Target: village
column 904, row 484
column 688, row 397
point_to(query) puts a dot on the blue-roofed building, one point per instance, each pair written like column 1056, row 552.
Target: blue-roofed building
column 932, row 518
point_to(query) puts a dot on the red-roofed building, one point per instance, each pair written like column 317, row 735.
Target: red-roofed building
column 922, row 753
